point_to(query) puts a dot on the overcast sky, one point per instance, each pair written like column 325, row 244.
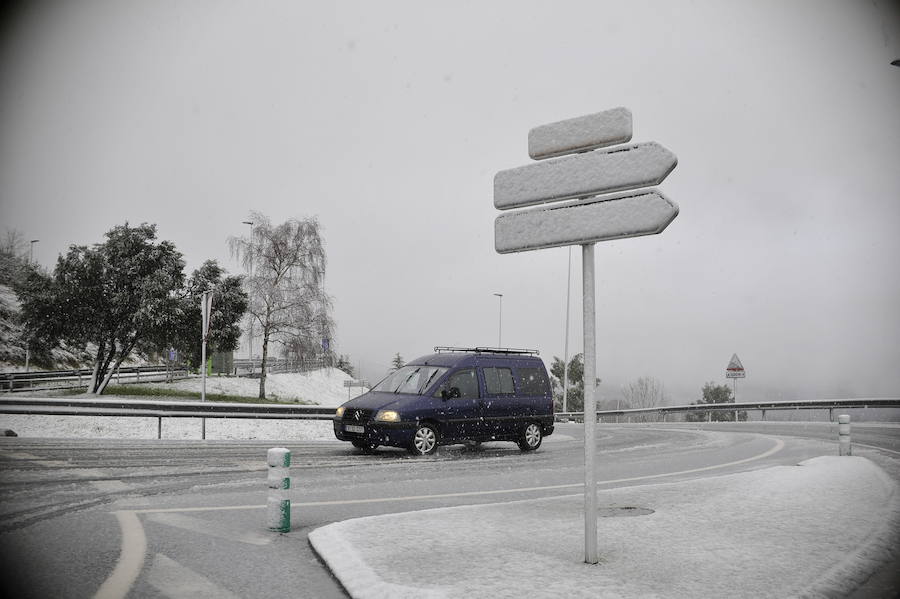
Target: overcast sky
column 388, row 120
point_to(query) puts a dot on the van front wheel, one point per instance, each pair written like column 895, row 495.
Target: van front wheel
column 531, row 437
column 425, row 440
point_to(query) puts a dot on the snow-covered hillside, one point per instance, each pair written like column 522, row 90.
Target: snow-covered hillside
column 324, row 387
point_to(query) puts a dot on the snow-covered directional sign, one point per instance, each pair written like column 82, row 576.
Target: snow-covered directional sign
column 646, row 212
column 583, row 171
column 580, row 134
column 735, row 369
column 587, row 177
column 585, row 174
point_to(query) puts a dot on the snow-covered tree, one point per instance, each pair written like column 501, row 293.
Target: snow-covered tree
column 126, row 294
column 229, row 306
column 112, row 295
column 286, row 266
column 343, row 363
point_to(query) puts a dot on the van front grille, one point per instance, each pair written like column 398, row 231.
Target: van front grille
column 357, row 415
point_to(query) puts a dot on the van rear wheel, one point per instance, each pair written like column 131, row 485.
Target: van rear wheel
column 531, row 437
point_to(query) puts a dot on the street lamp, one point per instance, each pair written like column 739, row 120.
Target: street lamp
column 27, row 346
column 250, row 332
column 500, row 321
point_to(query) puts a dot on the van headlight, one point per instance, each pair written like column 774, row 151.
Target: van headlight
column 387, row 416
column 339, row 412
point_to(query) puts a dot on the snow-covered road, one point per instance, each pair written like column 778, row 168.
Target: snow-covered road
column 199, row 505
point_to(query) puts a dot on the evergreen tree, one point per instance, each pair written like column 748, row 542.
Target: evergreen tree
column 128, row 294
column 575, row 377
column 397, row 363
column 112, row 295
column 714, row 394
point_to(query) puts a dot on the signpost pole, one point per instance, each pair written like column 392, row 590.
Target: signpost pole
column 734, row 396
column 590, row 405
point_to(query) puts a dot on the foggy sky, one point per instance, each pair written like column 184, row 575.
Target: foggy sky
column 388, row 120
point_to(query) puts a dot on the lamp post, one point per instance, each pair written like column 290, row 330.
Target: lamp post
column 500, row 322
column 28, row 347
column 250, row 332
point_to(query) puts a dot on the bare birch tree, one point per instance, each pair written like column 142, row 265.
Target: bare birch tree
column 645, row 392
column 286, row 263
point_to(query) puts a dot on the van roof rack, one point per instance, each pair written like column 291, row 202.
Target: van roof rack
column 487, row 350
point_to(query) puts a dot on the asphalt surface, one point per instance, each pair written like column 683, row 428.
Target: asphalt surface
column 179, row 519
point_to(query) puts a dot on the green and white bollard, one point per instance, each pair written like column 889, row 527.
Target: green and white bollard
column 844, row 434
column 278, row 506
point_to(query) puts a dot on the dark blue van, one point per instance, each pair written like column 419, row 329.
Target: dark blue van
column 453, row 396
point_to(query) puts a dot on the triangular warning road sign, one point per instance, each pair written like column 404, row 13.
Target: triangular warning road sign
column 735, row 363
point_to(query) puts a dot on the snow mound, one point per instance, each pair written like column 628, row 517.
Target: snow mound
column 818, row 529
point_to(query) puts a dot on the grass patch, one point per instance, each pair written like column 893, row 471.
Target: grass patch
column 141, row 391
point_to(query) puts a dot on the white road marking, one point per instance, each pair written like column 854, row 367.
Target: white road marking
column 131, row 560
column 205, row 527
column 876, row 447
column 176, row 581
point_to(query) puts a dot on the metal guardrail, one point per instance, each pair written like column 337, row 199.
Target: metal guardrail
column 246, row 366
column 11, row 382
column 762, row 406
column 161, row 409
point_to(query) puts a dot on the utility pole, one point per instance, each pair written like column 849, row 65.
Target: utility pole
column 500, row 326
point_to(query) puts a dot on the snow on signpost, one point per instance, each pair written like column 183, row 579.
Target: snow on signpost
column 591, row 172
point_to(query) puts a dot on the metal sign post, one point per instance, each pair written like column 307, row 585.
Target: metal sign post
column 584, row 221
column 206, row 307
column 591, row 554
column 735, row 371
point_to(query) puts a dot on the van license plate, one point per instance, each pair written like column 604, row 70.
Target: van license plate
column 352, row 428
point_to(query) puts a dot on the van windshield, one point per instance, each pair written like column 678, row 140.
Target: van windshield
column 410, row 379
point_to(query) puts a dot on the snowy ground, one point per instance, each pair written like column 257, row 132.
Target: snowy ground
column 324, row 387
column 816, row 529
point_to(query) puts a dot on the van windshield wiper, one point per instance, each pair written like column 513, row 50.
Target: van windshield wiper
column 406, row 380
column 428, row 382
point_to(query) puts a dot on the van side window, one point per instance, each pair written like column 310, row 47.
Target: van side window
column 465, row 381
column 499, row 381
column 533, row 381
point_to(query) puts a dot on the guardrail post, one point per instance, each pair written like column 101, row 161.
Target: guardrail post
column 278, row 506
column 159, row 427
column 844, row 434
column 763, row 415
